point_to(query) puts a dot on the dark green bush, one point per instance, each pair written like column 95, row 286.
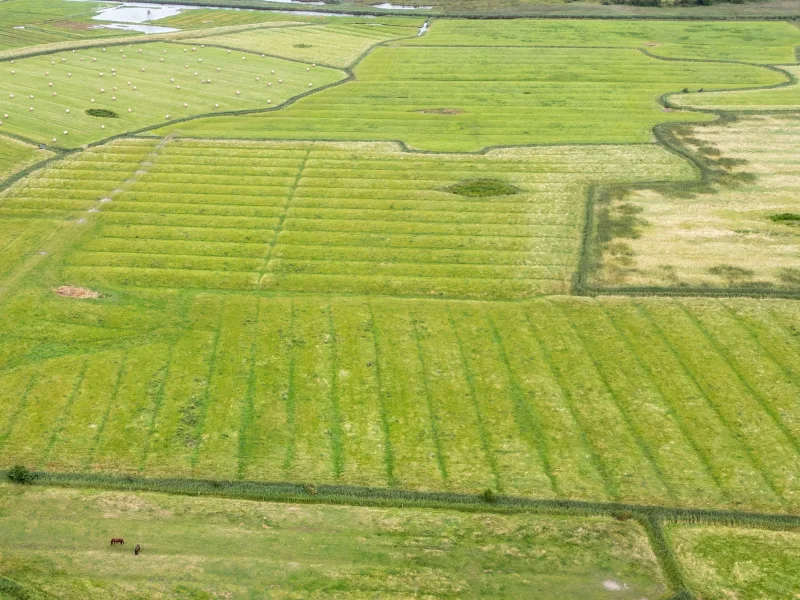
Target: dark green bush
column 101, row 112
column 489, row 496
column 483, row 187
column 20, row 474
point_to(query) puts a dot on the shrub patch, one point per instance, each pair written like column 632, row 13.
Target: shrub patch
column 483, row 187
column 101, row 112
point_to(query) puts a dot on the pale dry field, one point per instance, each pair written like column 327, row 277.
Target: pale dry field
column 725, row 237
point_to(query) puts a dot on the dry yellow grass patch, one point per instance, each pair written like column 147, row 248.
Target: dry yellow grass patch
column 725, row 237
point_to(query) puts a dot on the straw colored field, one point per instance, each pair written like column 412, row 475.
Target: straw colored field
column 764, row 42
column 46, row 97
column 205, row 548
column 457, row 99
column 746, row 564
column 724, row 237
column 336, row 44
column 15, row 156
column 786, row 98
column 328, row 218
column 685, row 403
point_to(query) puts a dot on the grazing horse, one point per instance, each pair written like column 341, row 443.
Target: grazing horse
column 137, row 550
column 115, row 541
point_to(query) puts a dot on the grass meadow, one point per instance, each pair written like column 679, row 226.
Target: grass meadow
column 299, row 217
column 464, row 99
column 728, row 235
column 335, row 45
column 204, row 548
column 729, row 562
column 785, row 98
column 46, row 97
column 16, row 155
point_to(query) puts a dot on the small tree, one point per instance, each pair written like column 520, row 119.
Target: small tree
column 20, row 474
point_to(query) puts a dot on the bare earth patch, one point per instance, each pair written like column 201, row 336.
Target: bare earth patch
column 70, row 291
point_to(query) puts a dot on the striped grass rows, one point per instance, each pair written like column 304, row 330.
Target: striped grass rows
column 762, row 42
column 335, row 44
column 464, row 99
column 45, row 97
column 305, row 217
column 683, row 403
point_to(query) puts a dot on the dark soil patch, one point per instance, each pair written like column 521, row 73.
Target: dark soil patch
column 101, row 112
column 483, row 187
column 302, row 46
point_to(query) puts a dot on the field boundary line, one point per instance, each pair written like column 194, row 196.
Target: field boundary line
column 77, row 384
column 388, row 452
column 351, row 495
column 337, row 438
column 473, row 397
column 264, row 268
column 433, row 413
column 528, row 411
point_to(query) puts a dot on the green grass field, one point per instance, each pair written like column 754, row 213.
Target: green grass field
column 456, row 99
column 321, row 307
column 209, row 548
column 731, row 562
column 334, row 45
column 143, row 84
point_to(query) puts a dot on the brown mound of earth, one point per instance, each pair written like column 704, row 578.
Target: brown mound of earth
column 441, row 111
column 70, row 291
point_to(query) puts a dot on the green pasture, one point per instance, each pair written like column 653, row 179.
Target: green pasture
column 746, row 564
column 785, row 98
column 335, row 44
column 765, row 42
column 56, row 543
column 670, row 402
column 331, row 218
column 15, row 156
column 464, row 99
column 144, row 84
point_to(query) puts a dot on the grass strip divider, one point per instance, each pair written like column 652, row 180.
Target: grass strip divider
column 386, row 497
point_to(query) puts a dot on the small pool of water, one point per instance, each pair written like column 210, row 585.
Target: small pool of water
column 136, row 27
column 295, row 2
column 390, row 6
column 140, row 13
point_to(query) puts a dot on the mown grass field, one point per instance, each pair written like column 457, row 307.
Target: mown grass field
column 464, row 99
column 729, row 235
column 335, row 44
column 330, row 218
column 15, row 156
column 144, row 84
column 753, row 42
column 210, row 548
column 785, row 98
column 729, row 562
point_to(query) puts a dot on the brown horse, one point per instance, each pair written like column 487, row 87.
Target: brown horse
column 115, row 541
